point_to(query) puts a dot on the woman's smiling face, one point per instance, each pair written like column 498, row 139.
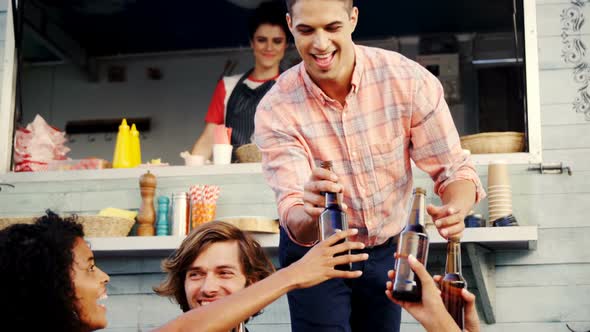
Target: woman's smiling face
column 89, row 287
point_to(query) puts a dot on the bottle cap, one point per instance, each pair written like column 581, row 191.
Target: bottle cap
column 420, row 190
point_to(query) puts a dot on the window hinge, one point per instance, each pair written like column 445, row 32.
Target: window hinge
column 551, row 168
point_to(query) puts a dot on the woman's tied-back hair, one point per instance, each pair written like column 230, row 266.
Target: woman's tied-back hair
column 254, row 262
column 37, row 292
column 272, row 13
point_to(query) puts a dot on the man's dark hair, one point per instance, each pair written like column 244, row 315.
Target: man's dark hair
column 291, row 3
column 37, row 292
column 272, row 13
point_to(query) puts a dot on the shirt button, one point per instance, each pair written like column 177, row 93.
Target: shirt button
column 354, row 154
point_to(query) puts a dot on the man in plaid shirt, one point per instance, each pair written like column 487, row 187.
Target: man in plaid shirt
column 369, row 111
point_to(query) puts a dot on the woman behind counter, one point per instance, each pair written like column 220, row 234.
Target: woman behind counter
column 235, row 98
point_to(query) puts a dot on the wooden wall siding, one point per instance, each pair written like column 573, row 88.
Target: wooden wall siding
column 241, row 195
column 539, row 290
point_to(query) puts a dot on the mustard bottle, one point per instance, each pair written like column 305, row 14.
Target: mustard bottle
column 121, row 157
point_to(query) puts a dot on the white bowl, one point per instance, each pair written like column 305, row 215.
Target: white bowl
column 194, row 160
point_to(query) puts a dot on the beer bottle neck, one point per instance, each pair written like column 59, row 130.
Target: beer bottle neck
column 417, row 211
column 453, row 257
column 331, row 200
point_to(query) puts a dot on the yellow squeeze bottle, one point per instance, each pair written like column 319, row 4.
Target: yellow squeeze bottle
column 135, row 147
column 122, row 158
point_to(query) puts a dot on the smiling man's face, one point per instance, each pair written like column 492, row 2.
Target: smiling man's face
column 322, row 30
column 215, row 273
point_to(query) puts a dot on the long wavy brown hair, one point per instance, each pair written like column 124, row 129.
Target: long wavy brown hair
column 255, row 264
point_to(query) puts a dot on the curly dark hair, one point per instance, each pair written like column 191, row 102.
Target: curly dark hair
column 255, row 264
column 35, row 275
column 272, row 13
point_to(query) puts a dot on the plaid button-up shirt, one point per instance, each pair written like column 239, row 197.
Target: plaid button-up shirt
column 395, row 111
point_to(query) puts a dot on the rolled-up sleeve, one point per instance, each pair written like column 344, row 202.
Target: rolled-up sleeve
column 436, row 148
column 286, row 164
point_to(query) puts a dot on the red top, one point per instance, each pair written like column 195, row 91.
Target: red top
column 224, row 88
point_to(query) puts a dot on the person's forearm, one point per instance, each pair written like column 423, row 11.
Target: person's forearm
column 298, row 223
column 445, row 323
column 226, row 313
column 203, row 148
column 460, row 194
column 204, row 144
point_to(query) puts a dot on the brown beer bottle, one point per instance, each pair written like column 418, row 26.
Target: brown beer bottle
column 413, row 240
column 333, row 218
column 453, row 283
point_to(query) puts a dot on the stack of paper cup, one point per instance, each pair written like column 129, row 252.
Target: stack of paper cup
column 499, row 191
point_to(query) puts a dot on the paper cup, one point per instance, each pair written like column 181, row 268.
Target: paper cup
column 500, row 191
column 496, row 211
column 492, row 197
column 498, row 174
column 499, row 204
column 499, row 201
column 222, row 154
column 499, row 186
column 502, row 210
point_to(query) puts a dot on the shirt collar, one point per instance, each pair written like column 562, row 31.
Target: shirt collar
column 357, row 75
column 359, row 68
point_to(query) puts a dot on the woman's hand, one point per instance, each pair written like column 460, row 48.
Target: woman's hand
column 318, row 264
column 471, row 317
column 431, row 311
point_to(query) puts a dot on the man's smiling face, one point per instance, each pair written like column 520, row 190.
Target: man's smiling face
column 215, row 273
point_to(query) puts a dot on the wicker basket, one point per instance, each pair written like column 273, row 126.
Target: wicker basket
column 248, row 153
column 94, row 226
column 494, row 142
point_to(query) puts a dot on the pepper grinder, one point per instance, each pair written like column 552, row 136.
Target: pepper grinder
column 147, row 214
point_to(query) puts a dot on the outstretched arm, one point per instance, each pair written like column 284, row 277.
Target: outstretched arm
column 458, row 200
column 315, row 267
column 204, row 144
column 431, row 311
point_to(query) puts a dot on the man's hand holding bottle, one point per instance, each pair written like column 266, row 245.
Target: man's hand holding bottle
column 303, row 219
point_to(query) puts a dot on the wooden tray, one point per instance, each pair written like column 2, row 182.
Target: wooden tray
column 253, row 223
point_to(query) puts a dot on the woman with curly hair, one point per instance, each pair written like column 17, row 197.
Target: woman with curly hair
column 48, row 279
column 49, row 282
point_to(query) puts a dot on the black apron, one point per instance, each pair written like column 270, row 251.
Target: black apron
column 240, row 110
